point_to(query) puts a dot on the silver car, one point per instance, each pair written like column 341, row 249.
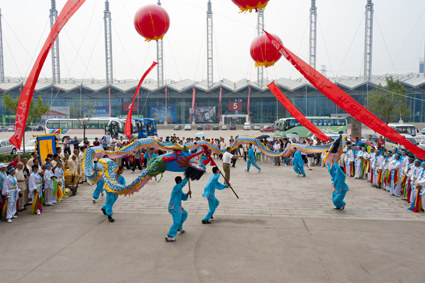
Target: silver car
column 6, row 147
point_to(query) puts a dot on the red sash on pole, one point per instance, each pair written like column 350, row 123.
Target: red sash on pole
column 193, row 104
column 68, row 10
column 127, row 127
column 343, row 100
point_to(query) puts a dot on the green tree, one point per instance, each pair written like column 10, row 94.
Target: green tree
column 36, row 111
column 389, row 103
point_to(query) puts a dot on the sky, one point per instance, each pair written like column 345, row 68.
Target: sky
column 399, row 38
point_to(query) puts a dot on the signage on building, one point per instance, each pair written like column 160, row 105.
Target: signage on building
column 235, row 106
column 57, row 112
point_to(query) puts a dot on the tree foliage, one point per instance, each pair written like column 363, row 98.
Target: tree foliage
column 36, row 110
column 389, row 103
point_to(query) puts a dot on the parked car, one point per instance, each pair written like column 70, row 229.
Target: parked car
column 187, row 127
column 29, row 146
column 268, row 129
column 390, row 145
column 224, row 127
column 38, row 128
column 6, row 147
column 177, row 128
column 207, row 128
column 422, row 131
column 247, row 126
column 3, row 129
column 199, row 128
column 215, row 128
column 257, row 127
column 422, row 145
column 232, row 127
column 11, row 129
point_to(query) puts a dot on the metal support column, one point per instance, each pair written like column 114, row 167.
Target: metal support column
column 56, row 73
column 368, row 41
column 1, row 53
column 210, row 50
column 260, row 30
column 108, row 44
column 160, row 59
column 313, row 33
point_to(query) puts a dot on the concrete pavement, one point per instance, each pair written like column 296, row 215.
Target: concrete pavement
column 283, row 229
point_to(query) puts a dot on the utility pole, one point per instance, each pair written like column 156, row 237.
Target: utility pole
column 160, row 59
column 107, row 19
column 313, row 33
column 210, row 50
column 260, row 31
column 368, row 41
column 56, row 73
column 1, row 53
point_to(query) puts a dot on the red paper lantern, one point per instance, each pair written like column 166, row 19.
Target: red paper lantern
column 263, row 52
column 249, row 5
column 152, row 22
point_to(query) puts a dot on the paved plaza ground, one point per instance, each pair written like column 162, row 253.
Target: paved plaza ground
column 282, row 229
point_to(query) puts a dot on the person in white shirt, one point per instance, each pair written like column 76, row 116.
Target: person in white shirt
column 48, row 185
column 227, row 159
column 22, row 185
column 276, row 148
column 11, row 191
column 349, row 160
column 358, row 162
column 35, row 184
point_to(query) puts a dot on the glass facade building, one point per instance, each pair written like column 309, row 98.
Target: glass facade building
column 263, row 106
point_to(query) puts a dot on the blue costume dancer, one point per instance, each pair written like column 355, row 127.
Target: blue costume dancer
column 111, row 197
column 340, row 187
column 209, row 193
column 203, row 158
column 298, row 163
column 176, row 210
column 251, row 160
column 99, row 190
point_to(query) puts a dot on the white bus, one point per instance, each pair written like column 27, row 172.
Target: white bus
column 95, row 127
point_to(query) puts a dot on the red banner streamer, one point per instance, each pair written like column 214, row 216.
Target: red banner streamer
column 296, row 113
column 27, row 93
column 193, row 105
column 127, row 127
column 247, row 104
column 343, row 100
column 219, row 105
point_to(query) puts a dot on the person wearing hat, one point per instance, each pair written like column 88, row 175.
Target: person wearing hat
column 11, row 191
column 371, row 159
column 349, row 160
column 413, row 177
column 358, row 162
column 376, row 167
column 365, row 162
column 35, row 184
column 59, row 174
column 48, row 185
column 405, row 182
column 3, row 169
column 395, row 180
column 386, row 171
